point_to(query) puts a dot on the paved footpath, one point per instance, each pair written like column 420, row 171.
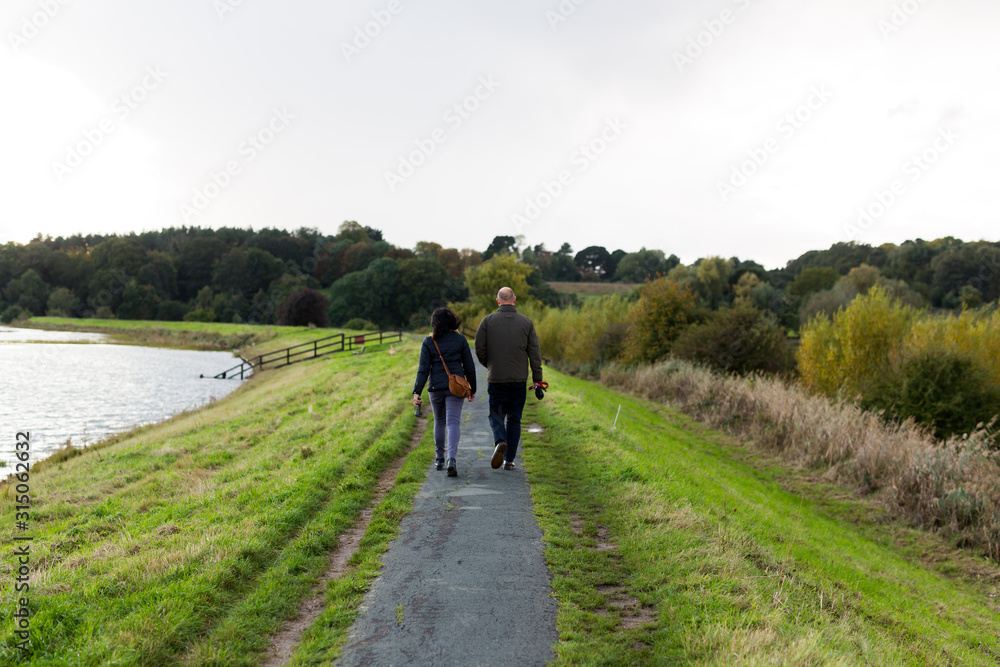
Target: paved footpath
column 465, row 583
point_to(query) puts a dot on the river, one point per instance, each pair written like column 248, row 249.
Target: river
column 76, row 387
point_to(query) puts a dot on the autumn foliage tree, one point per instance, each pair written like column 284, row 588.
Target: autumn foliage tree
column 663, row 311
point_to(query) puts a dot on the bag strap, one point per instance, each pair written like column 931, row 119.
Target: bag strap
column 440, row 355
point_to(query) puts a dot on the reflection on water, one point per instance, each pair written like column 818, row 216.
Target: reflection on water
column 63, row 391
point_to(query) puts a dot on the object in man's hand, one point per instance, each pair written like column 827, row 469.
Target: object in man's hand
column 540, row 388
column 416, row 411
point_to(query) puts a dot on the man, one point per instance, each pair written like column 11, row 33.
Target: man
column 506, row 343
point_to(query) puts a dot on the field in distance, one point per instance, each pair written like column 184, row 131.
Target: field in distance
column 594, row 288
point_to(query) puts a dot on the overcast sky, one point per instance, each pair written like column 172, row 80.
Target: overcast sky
column 751, row 128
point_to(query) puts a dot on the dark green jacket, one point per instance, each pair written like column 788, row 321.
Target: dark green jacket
column 505, row 343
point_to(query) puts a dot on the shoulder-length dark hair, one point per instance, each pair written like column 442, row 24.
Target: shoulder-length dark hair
column 444, row 320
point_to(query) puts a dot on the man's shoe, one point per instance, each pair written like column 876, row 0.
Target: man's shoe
column 439, row 464
column 498, row 453
column 508, row 465
column 452, row 468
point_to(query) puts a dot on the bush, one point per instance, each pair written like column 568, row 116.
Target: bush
column 740, row 340
column 200, row 315
column 853, row 353
column 577, row 337
column 12, row 313
column 361, row 324
column 663, row 311
column 943, row 371
column 940, row 389
column 170, row 310
column 304, row 307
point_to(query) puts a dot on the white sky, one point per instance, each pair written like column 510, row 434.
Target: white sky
column 676, row 132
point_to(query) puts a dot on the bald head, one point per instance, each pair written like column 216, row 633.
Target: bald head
column 505, row 296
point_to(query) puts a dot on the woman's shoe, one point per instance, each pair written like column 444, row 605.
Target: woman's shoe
column 439, row 464
column 452, row 468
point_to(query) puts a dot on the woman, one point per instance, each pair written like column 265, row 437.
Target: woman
column 447, row 407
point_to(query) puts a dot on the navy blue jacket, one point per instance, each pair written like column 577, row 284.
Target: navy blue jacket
column 456, row 353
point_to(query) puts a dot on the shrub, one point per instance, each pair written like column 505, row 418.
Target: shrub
column 200, row 315
column 12, row 313
column 828, row 301
column 170, row 310
column 853, row 353
column 62, row 303
column 583, row 336
column 304, row 307
column 663, row 311
column 740, row 340
column 360, row 324
column 940, row 389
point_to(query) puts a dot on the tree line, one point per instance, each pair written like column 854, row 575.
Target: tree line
column 296, row 277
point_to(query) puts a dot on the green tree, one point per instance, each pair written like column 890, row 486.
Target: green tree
column 119, row 255
column 713, row 274
column 637, row 267
column 595, row 260
column 737, row 340
column 426, row 288
column 368, row 294
column 304, row 307
column 663, row 311
column 29, row 292
column 352, row 232
column 814, row 279
column 195, row 263
column 975, row 264
column 159, row 273
column 485, row 280
column 501, row 245
column 62, row 303
column 139, row 302
column 246, row 271
column 428, row 249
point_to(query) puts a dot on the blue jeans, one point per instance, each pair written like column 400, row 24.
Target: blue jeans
column 506, row 406
column 447, row 414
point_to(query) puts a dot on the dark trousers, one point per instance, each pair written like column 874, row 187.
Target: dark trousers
column 506, row 406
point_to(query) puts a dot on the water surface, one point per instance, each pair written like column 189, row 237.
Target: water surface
column 87, row 390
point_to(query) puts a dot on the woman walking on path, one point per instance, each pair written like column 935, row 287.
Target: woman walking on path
column 457, row 357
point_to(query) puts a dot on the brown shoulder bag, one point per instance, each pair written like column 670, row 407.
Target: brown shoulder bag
column 457, row 384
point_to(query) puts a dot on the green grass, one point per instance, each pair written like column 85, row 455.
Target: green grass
column 190, row 542
column 671, row 544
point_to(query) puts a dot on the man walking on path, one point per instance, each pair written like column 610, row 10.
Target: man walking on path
column 506, row 343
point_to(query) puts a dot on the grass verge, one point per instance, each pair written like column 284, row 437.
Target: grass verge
column 189, row 542
column 951, row 487
column 671, row 544
column 322, row 643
